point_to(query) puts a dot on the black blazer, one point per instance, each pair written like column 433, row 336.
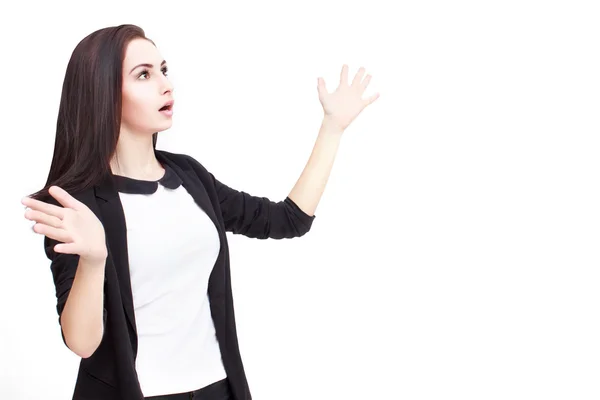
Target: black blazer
column 110, row 372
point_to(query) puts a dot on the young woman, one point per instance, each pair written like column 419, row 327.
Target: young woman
column 136, row 236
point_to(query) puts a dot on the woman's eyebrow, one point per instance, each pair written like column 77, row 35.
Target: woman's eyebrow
column 147, row 65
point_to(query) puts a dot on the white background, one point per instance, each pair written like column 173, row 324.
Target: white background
column 455, row 251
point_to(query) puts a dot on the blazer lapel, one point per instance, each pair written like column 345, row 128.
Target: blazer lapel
column 113, row 220
column 194, row 187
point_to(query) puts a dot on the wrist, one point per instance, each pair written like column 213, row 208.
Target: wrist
column 94, row 261
column 331, row 126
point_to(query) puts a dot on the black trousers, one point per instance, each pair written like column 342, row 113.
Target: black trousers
column 217, row 391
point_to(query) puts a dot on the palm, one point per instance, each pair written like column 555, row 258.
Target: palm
column 344, row 104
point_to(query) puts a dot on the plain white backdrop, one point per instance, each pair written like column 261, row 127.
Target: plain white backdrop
column 455, row 251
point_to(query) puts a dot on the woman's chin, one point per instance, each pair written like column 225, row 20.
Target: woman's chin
column 163, row 126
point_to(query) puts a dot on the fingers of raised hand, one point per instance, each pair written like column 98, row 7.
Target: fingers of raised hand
column 53, row 233
column 365, row 83
column 358, row 77
column 43, row 218
column 344, row 75
column 46, row 208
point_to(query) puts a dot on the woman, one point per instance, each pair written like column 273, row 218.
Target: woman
column 137, row 236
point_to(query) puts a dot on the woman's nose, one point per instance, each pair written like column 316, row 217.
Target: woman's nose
column 167, row 86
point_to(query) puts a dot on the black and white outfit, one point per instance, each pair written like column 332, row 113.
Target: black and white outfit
column 169, row 324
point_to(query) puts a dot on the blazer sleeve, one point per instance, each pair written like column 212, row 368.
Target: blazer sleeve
column 258, row 217
column 63, row 267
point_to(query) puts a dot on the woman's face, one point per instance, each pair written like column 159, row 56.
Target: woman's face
column 146, row 90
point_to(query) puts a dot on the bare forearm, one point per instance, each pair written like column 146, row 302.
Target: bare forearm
column 309, row 188
column 82, row 317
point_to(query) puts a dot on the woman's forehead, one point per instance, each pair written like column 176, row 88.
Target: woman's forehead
column 141, row 51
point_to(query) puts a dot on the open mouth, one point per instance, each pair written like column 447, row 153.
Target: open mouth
column 167, row 107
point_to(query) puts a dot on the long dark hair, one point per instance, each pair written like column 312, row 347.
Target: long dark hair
column 89, row 115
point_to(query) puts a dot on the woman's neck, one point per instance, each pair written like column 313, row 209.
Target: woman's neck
column 135, row 158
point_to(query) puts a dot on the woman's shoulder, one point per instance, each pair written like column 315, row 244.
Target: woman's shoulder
column 183, row 160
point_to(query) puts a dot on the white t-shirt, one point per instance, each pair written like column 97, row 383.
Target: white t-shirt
column 172, row 246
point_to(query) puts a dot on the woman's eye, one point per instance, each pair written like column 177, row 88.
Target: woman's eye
column 146, row 74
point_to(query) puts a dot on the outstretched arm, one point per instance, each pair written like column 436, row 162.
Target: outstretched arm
column 259, row 217
column 340, row 109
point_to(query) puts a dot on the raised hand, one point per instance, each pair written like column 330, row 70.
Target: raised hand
column 346, row 102
column 74, row 224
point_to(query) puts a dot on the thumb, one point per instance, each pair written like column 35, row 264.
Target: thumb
column 66, row 248
column 63, row 197
column 371, row 99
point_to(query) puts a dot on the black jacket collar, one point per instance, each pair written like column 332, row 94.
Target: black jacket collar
column 126, row 184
